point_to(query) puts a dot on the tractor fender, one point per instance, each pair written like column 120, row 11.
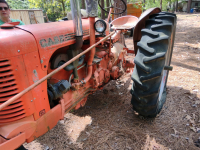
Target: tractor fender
column 141, row 25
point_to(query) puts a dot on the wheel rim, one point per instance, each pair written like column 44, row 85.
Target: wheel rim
column 165, row 72
column 162, row 85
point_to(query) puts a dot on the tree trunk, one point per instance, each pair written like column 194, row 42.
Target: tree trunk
column 189, row 6
column 63, row 5
column 107, row 5
column 170, row 4
column 176, row 5
column 119, row 4
column 102, row 12
column 82, row 4
column 125, row 13
column 173, row 7
column 161, row 5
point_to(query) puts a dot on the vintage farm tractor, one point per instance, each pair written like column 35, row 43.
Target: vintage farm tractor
column 46, row 70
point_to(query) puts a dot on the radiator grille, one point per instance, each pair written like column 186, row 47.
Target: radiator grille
column 8, row 88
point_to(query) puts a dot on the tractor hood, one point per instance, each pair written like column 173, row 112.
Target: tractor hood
column 15, row 42
column 52, row 36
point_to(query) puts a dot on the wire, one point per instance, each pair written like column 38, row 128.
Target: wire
column 4, row 137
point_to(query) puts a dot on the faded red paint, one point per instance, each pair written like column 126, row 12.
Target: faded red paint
column 27, row 60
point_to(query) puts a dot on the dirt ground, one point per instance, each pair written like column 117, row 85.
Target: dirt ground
column 107, row 121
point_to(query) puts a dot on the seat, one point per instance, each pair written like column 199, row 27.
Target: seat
column 124, row 23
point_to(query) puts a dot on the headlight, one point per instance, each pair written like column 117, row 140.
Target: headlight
column 100, row 26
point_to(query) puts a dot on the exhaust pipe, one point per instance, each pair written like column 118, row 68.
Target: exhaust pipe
column 92, row 10
column 74, row 49
column 76, row 16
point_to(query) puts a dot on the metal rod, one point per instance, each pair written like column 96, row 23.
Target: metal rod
column 8, row 102
column 111, row 9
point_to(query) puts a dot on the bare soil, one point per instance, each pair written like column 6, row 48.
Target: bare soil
column 107, row 121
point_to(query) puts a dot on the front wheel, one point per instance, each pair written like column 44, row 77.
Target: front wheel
column 154, row 53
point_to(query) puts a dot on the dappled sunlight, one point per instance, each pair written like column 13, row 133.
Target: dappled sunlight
column 151, row 144
column 187, row 45
column 74, row 125
column 65, row 134
column 107, row 121
column 35, row 145
column 180, row 32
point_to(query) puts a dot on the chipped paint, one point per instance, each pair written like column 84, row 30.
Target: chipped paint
column 35, row 76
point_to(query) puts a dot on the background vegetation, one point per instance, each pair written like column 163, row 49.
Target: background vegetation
column 57, row 9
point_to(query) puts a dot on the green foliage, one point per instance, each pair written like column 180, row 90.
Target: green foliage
column 134, row 2
column 146, row 4
column 156, row 3
column 55, row 9
column 18, row 4
column 151, row 3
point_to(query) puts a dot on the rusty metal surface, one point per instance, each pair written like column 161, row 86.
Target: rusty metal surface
column 52, row 36
column 10, row 45
column 115, row 72
column 45, row 41
column 19, row 73
column 12, row 72
column 116, row 50
column 141, row 24
column 50, row 74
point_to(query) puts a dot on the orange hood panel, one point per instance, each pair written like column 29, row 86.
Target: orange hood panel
column 15, row 42
column 52, row 36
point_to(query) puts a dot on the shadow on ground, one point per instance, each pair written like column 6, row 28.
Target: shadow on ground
column 116, row 126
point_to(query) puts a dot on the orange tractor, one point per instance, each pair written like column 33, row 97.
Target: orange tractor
column 46, row 70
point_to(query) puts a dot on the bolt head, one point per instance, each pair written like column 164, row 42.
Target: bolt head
column 18, row 51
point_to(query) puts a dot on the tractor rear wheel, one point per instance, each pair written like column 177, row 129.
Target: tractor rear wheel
column 154, row 53
column 21, row 148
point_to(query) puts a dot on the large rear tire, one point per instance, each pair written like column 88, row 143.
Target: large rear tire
column 21, row 148
column 154, row 53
